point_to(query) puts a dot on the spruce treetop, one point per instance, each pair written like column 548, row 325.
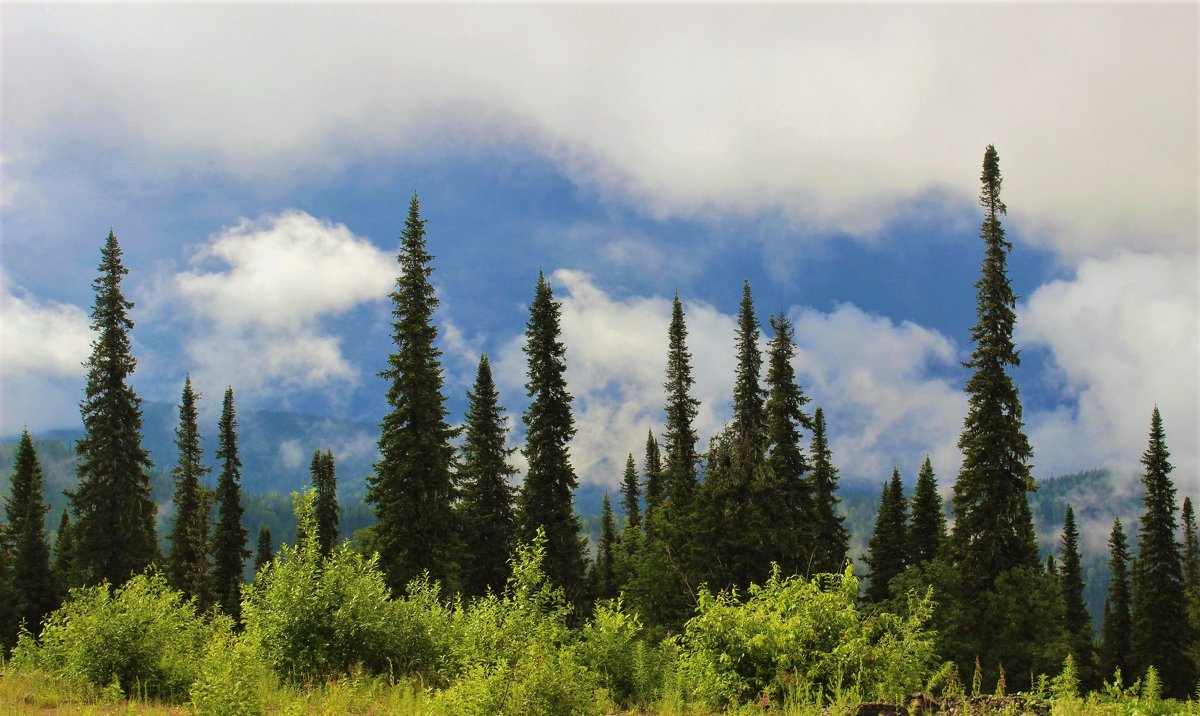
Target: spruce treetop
column 230, row 536
column 928, row 520
column 748, row 413
column 187, row 559
column 630, row 493
column 679, row 441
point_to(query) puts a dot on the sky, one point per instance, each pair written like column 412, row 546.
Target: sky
column 256, row 162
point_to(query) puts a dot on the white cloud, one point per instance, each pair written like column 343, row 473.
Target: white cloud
column 260, row 290
column 1124, row 334
column 834, row 114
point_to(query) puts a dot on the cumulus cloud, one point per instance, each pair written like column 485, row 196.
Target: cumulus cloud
column 870, row 375
column 43, row 345
column 1124, row 335
column 835, row 115
column 259, row 291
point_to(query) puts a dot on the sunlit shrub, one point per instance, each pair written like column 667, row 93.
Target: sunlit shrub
column 613, row 647
column 142, row 637
column 229, row 680
column 794, row 636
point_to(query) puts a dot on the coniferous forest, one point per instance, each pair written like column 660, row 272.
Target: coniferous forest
column 721, row 578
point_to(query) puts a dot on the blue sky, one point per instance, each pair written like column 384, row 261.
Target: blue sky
column 256, row 162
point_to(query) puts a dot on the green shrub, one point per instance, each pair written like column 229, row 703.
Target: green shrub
column 612, row 646
column 794, row 637
column 143, row 638
column 230, row 679
column 314, row 617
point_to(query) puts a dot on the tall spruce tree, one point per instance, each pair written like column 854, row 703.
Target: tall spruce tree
column 65, row 566
column 1191, row 546
column 787, row 502
column 229, row 536
column 33, row 582
column 927, row 520
column 1161, row 635
column 887, row 550
column 830, row 537
column 993, row 528
column 187, row 558
column 652, row 470
column 547, row 495
column 1076, row 620
column 679, row 440
column 411, row 488
column 487, row 504
column 630, row 492
column 1116, row 633
column 325, row 504
column 265, row 550
column 604, row 576
column 114, row 529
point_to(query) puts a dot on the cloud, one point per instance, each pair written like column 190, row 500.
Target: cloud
column 1124, row 335
column 42, row 349
column 836, row 115
column 259, row 291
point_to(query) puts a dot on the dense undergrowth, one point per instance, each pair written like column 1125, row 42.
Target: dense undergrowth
column 323, row 635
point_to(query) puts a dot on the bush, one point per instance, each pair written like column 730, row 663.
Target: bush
column 315, row 617
column 612, row 646
column 797, row 637
column 229, row 680
column 143, row 638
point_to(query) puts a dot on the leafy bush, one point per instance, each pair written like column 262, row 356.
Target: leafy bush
column 143, row 638
column 613, row 647
column 799, row 637
column 315, row 617
column 229, row 679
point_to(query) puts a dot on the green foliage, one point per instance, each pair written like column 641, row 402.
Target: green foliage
column 796, row 635
column 144, row 637
column 411, row 488
column 115, row 534
column 546, row 497
column 229, row 536
column 187, row 558
column 313, row 618
column 229, row 679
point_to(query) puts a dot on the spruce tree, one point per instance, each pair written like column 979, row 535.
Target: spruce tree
column 265, row 551
column 887, row 550
column 679, row 440
column 653, row 472
column 1116, row 633
column 411, row 488
column 325, row 504
column 33, row 582
column 787, row 502
column 1191, row 577
column 65, row 572
column 604, row 578
column 993, row 528
column 927, row 520
column 488, row 499
column 830, row 537
column 546, row 497
column 114, row 529
column 229, row 536
column 1160, row 632
column 629, row 495
column 187, row 558
column 10, row 619
column 1076, row 620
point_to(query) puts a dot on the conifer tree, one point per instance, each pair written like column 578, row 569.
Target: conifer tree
column 1116, row 633
column 33, row 582
column 265, row 551
column 411, row 487
column 325, row 503
column 488, row 499
column 550, row 482
column 830, row 537
column 993, row 528
column 65, row 572
column 787, row 503
column 679, row 441
column 604, row 573
column 229, row 536
column 10, row 619
column 653, row 472
column 629, row 495
column 1160, row 632
column 114, row 529
column 927, row 521
column 1191, row 546
column 187, row 557
column 887, row 549
column 1076, row 620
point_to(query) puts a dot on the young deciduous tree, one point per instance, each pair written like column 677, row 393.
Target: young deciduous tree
column 1161, row 634
column 487, row 506
column 888, row 548
column 187, row 557
column 411, row 488
column 546, row 500
column 927, row 520
column 229, row 537
column 114, row 529
column 1115, row 634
